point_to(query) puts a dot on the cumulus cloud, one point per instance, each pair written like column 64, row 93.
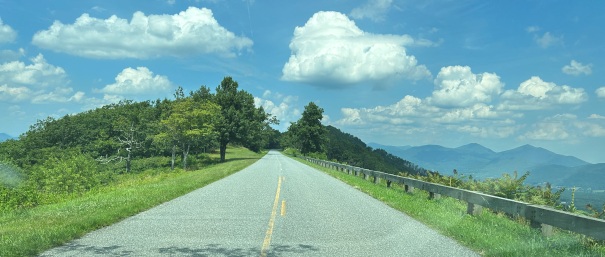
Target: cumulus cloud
column 412, row 110
column 59, row 95
column 547, row 40
column 10, row 55
column 7, row 34
column 457, row 86
column 414, row 116
column 40, row 73
column 39, row 82
column 14, row 94
column 565, row 127
column 190, row 32
column 548, row 131
column 600, row 92
column 374, row 10
column 536, row 94
column 596, row 116
column 330, row 50
column 576, row 68
column 281, row 106
column 139, row 81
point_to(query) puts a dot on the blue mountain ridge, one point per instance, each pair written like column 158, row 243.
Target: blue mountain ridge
column 4, row 137
column 482, row 162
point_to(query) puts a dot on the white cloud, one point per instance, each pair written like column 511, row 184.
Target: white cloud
column 139, row 81
column 330, row 50
column 7, row 34
column 59, row 95
column 374, row 10
column 591, row 129
column 10, row 55
column 566, row 127
column 576, row 68
column 417, row 112
column 191, row 32
column 14, row 94
column 457, row 86
column 547, row 40
column 600, row 92
column 39, row 73
column 498, row 131
column 532, row 29
column 477, row 111
column 38, row 82
column 596, row 116
column 536, row 94
column 549, row 131
column 281, row 106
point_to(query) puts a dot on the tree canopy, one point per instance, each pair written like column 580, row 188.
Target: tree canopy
column 308, row 134
column 76, row 152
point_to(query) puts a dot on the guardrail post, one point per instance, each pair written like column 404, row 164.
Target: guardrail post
column 547, row 230
column 389, row 183
column 408, row 188
column 365, row 174
column 474, row 209
column 433, row 195
column 356, row 172
column 376, row 179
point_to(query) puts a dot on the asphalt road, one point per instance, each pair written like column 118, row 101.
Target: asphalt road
column 275, row 207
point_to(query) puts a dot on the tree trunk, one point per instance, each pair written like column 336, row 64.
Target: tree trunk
column 173, row 156
column 223, row 149
column 185, row 154
column 128, row 163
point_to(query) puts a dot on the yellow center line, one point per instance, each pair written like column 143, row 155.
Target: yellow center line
column 283, row 207
column 267, row 241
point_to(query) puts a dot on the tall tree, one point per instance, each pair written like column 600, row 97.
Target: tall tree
column 240, row 120
column 308, row 132
column 190, row 123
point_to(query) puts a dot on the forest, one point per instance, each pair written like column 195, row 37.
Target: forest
column 63, row 157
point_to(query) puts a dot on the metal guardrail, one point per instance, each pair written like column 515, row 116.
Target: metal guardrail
column 541, row 217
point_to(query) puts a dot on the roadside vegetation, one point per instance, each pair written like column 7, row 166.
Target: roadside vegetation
column 489, row 234
column 70, row 175
column 27, row 232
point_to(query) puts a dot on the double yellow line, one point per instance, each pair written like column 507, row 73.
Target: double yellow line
column 267, row 241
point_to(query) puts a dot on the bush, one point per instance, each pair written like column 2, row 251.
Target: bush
column 60, row 177
column 140, row 165
column 507, row 186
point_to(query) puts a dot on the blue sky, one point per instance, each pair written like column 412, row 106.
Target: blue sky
column 498, row 73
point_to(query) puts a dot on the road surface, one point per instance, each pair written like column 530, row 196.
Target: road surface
column 275, row 207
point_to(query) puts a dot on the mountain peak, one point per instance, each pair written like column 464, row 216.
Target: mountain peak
column 474, row 148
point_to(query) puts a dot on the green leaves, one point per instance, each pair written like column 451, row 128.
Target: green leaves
column 190, row 123
column 308, row 134
column 240, row 122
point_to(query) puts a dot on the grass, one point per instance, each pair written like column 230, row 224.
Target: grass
column 489, row 234
column 30, row 232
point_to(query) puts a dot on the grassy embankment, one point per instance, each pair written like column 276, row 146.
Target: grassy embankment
column 29, row 232
column 489, row 234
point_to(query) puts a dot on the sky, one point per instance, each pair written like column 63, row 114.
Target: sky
column 394, row 72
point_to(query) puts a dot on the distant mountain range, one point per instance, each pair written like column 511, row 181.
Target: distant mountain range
column 4, row 137
column 482, row 162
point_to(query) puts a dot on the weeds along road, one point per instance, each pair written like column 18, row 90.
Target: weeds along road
column 275, row 207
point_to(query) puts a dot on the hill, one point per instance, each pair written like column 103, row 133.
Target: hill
column 349, row 149
column 481, row 162
column 4, row 137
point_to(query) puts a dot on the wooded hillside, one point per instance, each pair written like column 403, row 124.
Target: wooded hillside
column 59, row 157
